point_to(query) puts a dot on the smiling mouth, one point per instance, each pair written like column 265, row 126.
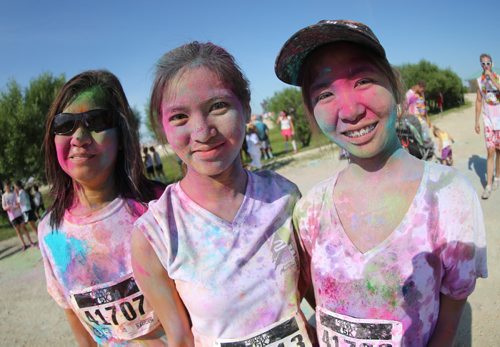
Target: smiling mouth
column 81, row 156
column 208, row 149
column 360, row 132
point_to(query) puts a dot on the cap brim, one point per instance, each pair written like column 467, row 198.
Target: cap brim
column 293, row 53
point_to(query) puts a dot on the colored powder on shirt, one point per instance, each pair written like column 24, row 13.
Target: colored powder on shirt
column 65, row 249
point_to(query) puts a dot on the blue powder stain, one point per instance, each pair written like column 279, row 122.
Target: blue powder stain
column 64, row 249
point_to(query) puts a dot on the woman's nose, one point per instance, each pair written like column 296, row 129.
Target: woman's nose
column 81, row 136
column 350, row 109
column 202, row 131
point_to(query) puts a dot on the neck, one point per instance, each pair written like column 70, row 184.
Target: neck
column 376, row 163
column 229, row 183
column 94, row 197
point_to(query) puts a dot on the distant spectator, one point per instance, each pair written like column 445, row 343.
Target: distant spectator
column 287, row 129
column 253, row 144
column 24, row 200
column 263, row 135
column 444, row 141
column 158, row 166
column 39, row 207
column 488, row 104
column 415, row 105
column 16, row 218
column 148, row 163
column 440, row 101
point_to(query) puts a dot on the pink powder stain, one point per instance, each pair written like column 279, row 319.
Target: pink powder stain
column 139, row 269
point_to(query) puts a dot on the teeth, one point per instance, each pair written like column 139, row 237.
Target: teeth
column 360, row 132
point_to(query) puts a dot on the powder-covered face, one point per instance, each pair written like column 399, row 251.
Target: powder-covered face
column 484, row 63
column 204, row 121
column 352, row 100
column 88, row 157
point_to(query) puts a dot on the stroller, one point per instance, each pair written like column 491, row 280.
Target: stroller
column 412, row 139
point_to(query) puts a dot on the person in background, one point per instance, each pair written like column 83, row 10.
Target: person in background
column 148, row 163
column 263, row 134
column 24, row 201
column 440, row 101
column 254, row 146
column 16, row 218
column 488, row 105
column 38, row 201
column 285, row 122
column 415, row 106
column 444, row 141
column 158, row 166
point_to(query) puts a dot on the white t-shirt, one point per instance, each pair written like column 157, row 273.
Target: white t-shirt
column 88, row 269
column 24, row 201
column 253, row 143
column 491, row 102
column 285, row 123
column 235, row 278
column 9, row 204
column 391, row 292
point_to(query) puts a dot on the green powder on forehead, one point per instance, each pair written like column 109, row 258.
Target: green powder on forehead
column 96, row 93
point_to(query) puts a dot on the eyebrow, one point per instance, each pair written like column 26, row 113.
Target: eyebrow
column 181, row 108
column 351, row 73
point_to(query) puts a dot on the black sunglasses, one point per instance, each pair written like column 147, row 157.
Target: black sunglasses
column 94, row 120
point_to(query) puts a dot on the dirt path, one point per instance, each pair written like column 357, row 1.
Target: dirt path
column 31, row 318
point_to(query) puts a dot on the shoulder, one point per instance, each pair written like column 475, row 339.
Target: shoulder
column 267, row 179
column 44, row 227
column 450, row 187
column 316, row 195
column 157, row 210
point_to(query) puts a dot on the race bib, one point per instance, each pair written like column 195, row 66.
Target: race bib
column 335, row 330
column 288, row 332
column 115, row 309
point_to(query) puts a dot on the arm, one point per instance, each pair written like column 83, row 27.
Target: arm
column 492, row 79
column 4, row 204
column 82, row 336
column 450, row 311
column 292, row 126
column 479, row 105
column 159, row 289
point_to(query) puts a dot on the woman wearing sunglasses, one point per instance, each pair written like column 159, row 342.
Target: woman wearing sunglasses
column 488, row 104
column 94, row 167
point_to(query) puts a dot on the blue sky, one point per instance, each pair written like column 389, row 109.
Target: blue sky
column 127, row 37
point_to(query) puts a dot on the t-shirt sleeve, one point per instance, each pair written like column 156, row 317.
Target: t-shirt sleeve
column 464, row 252
column 156, row 236
column 53, row 285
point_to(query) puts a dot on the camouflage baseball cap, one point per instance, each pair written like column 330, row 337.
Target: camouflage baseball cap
column 297, row 48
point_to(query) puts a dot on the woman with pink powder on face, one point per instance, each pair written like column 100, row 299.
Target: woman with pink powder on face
column 395, row 244
column 94, row 166
column 217, row 249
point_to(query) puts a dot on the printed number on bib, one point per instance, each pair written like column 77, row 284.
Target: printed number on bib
column 286, row 333
column 115, row 309
column 337, row 330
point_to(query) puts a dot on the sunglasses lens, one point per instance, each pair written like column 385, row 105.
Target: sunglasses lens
column 100, row 120
column 94, row 120
column 64, row 124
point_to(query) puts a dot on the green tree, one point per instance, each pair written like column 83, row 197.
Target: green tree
column 437, row 81
column 22, row 120
column 290, row 99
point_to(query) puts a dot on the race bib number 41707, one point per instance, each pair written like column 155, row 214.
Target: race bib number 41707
column 336, row 330
column 116, row 309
